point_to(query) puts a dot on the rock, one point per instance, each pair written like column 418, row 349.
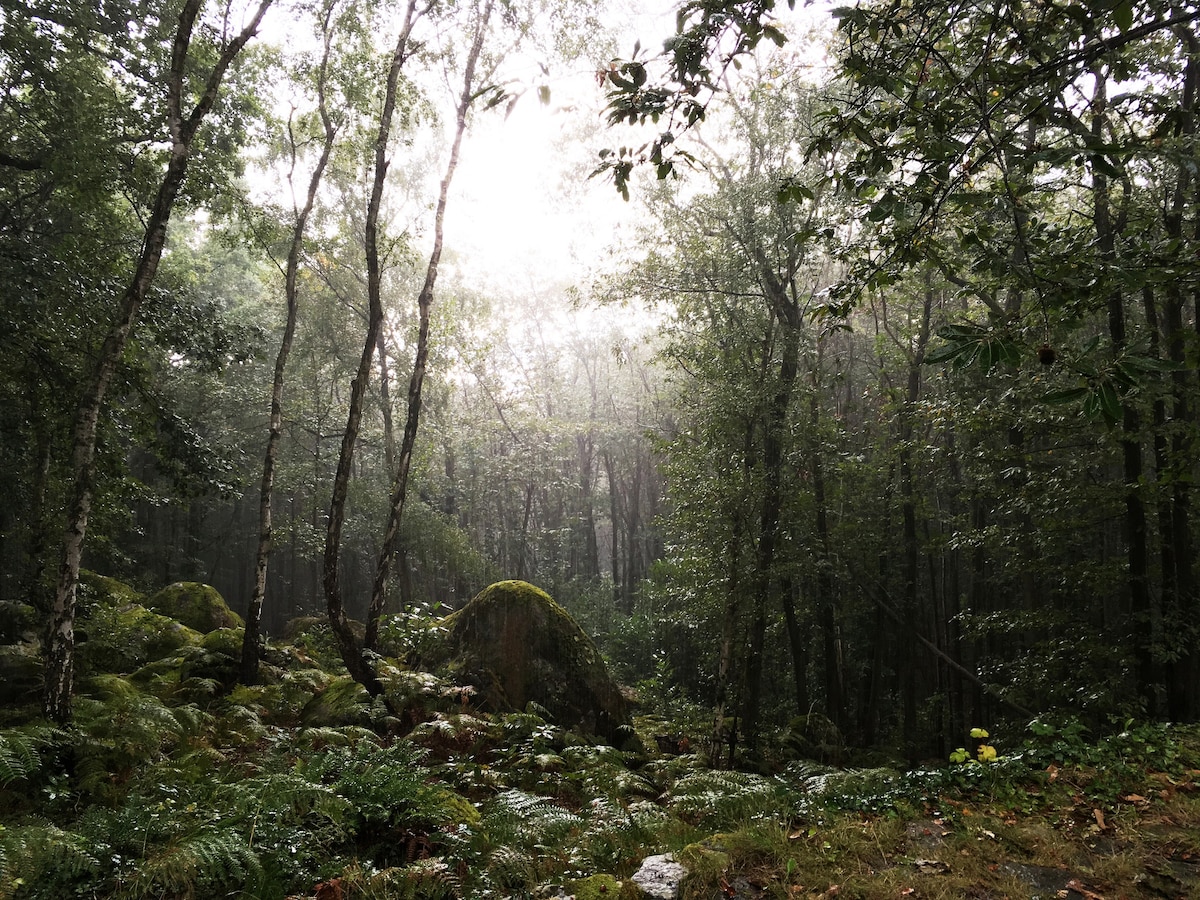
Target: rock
column 20, row 674
column 516, row 646
column 19, row 623
column 121, row 639
column 198, row 606
column 343, row 702
column 660, row 877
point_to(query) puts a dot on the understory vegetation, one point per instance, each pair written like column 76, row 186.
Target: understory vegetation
column 174, row 785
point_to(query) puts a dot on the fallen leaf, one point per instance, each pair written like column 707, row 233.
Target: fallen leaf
column 1134, row 798
column 1052, row 771
column 931, row 866
column 1098, row 815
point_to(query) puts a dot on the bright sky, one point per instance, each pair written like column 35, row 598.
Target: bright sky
column 523, row 208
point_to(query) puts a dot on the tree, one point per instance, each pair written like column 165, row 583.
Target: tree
column 189, row 99
column 330, row 125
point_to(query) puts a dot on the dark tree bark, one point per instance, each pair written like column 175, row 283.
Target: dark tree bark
column 424, row 304
column 348, row 644
column 251, row 641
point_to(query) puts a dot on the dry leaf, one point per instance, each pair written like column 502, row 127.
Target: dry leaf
column 1077, row 886
column 1098, row 815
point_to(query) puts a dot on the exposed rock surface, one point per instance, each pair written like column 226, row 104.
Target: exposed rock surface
column 660, row 877
column 516, row 645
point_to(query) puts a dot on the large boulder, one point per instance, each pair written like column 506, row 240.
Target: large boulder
column 516, row 645
column 198, row 606
column 118, row 634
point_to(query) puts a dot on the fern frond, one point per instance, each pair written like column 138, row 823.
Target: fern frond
column 443, row 730
column 20, row 750
column 321, row 736
column 510, row 867
column 530, row 819
column 724, row 799
column 33, row 853
column 202, row 862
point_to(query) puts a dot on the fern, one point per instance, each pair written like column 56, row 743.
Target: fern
column 510, row 867
column 443, row 731
column 20, row 750
column 719, row 800
column 46, row 858
column 211, row 859
column 319, row 737
column 425, row 879
column 530, row 820
column 122, row 729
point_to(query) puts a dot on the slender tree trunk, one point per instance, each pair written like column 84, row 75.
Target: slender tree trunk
column 615, row 515
column 348, row 644
column 731, row 615
column 1183, row 677
column 251, row 640
column 835, row 692
column 908, row 511
column 60, row 643
column 774, row 429
column 424, row 304
column 1136, row 540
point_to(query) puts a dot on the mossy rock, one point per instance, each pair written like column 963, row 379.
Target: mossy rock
column 225, row 640
column 19, row 623
column 198, row 606
column 106, row 591
column 604, row 887
column 20, row 674
column 343, row 702
column 121, row 639
column 517, row 646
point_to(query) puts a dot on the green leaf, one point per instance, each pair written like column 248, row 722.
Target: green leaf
column 1110, row 402
column 1123, row 14
column 1070, row 395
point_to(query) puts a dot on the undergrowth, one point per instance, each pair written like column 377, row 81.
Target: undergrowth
column 268, row 791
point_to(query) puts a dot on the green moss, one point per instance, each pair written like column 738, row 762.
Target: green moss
column 602, row 887
column 196, row 605
column 225, row 640
column 108, row 591
column 517, row 646
column 126, row 638
column 343, row 702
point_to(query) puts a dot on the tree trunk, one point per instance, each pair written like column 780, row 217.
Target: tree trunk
column 1137, row 555
column 424, row 304
column 348, row 645
column 251, row 641
column 60, row 643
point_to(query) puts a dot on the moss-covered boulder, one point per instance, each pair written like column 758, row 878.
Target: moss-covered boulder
column 198, row 606
column 516, row 645
column 19, row 623
column 20, row 674
column 343, row 702
column 125, row 637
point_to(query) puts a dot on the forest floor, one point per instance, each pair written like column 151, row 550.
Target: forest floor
column 174, row 782
column 1077, row 833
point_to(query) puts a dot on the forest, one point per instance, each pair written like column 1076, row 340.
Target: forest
column 861, row 445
